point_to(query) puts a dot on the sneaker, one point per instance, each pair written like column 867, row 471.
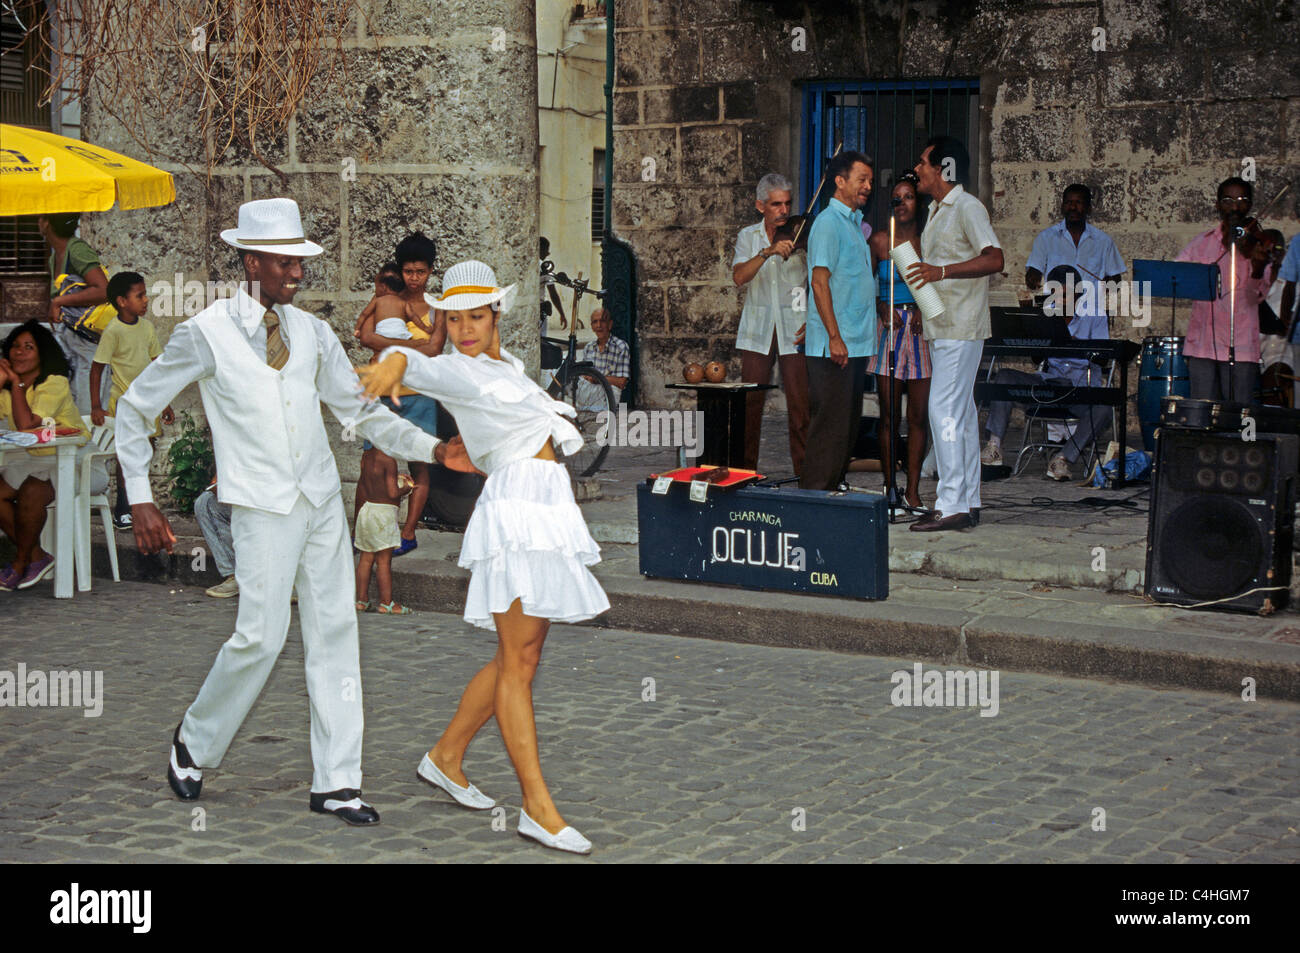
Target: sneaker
column 991, row 455
column 122, row 520
column 406, row 547
column 36, row 572
column 1058, row 469
column 8, row 578
column 223, row 590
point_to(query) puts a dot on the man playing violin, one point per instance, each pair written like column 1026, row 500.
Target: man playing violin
column 1212, row 326
column 775, row 308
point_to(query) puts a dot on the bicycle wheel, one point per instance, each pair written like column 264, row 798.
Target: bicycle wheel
column 592, row 400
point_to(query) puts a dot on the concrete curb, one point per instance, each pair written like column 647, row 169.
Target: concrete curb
column 1120, row 653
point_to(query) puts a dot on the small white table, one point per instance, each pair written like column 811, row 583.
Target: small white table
column 65, row 499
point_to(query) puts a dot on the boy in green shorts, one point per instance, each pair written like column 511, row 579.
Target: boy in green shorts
column 127, row 346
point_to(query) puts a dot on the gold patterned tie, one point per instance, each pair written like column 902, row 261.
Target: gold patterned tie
column 277, row 351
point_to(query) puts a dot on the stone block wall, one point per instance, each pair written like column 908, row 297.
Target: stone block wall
column 1182, row 95
column 432, row 126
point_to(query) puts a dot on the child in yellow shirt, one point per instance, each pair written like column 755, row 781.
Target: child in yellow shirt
column 127, row 346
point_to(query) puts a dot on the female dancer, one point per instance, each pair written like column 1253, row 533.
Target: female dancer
column 901, row 333
column 526, row 544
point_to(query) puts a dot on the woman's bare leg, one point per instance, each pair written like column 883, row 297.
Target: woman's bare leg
column 477, row 704
column 29, row 518
column 521, row 638
column 884, row 429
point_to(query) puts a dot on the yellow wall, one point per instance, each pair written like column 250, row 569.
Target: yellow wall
column 571, row 107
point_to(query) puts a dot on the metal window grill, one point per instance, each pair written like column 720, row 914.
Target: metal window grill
column 888, row 120
column 21, row 82
column 597, row 195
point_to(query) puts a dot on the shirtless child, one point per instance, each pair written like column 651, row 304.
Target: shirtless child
column 376, row 529
column 387, row 302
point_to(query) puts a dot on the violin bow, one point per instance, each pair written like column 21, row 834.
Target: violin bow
column 839, row 145
column 1272, row 202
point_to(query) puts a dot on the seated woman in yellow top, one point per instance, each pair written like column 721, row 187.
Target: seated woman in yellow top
column 33, row 390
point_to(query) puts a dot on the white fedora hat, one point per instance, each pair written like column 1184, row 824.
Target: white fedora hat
column 273, row 226
column 467, row 285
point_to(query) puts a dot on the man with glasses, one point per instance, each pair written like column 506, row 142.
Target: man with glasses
column 1214, row 326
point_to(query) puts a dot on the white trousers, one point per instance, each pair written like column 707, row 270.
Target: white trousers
column 307, row 548
column 954, row 424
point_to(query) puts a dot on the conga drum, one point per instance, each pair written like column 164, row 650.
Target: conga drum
column 1163, row 373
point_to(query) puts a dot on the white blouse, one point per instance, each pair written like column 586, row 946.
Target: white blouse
column 502, row 414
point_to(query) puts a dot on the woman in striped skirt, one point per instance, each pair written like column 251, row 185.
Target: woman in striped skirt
column 901, row 334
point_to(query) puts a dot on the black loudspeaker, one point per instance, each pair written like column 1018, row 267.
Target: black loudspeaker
column 1222, row 520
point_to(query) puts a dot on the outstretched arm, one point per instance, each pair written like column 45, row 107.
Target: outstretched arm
column 336, row 383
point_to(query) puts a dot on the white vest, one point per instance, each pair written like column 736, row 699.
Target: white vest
column 267, row 430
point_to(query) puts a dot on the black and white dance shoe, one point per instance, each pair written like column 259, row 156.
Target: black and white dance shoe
column 184, row 776
column 345, row 804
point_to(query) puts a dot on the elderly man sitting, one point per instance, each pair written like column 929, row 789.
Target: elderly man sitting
column 612, row 358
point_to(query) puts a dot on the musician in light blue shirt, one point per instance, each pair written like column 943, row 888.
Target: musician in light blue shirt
column 841, row 331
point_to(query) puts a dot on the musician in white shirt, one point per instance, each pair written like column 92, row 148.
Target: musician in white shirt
column 775, row 308
column 959, row 250
column 263, row 369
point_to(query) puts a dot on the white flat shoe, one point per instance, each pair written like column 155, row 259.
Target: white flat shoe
column 568, row 839
column 470, row 797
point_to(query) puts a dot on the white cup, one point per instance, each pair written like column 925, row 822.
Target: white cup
column 926, row 296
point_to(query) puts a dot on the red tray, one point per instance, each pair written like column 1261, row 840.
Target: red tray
column 687, row 474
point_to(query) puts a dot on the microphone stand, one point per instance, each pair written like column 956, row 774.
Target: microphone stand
column 1232, row 316
column 892, row 499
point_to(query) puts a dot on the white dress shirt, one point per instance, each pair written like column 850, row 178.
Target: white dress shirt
column 503, row 416
column 956, row 230
column 770, row 297
column 187, row 358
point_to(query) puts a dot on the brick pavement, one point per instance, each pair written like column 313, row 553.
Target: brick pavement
column 738, row 739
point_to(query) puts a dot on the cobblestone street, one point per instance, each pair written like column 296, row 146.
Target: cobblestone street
column 741, row 746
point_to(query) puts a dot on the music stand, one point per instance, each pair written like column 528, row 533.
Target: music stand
column 1177, row 279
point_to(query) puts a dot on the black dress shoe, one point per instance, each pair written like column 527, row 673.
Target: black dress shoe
column 345, row 804
column 184, row 776
column 956, row 521
column 974, row 516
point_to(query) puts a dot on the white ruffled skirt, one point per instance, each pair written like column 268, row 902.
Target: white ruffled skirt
column 527, row 540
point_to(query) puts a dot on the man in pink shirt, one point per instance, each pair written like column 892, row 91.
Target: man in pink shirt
column 1210, row 332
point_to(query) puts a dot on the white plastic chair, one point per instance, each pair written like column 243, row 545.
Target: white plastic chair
column 101, row 446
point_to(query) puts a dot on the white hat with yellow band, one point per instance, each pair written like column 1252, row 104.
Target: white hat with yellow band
column 471, row 284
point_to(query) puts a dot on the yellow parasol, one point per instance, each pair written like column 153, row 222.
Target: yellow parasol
column 44, row 174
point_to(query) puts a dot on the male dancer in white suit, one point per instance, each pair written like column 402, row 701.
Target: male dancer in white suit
column 263, row 369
